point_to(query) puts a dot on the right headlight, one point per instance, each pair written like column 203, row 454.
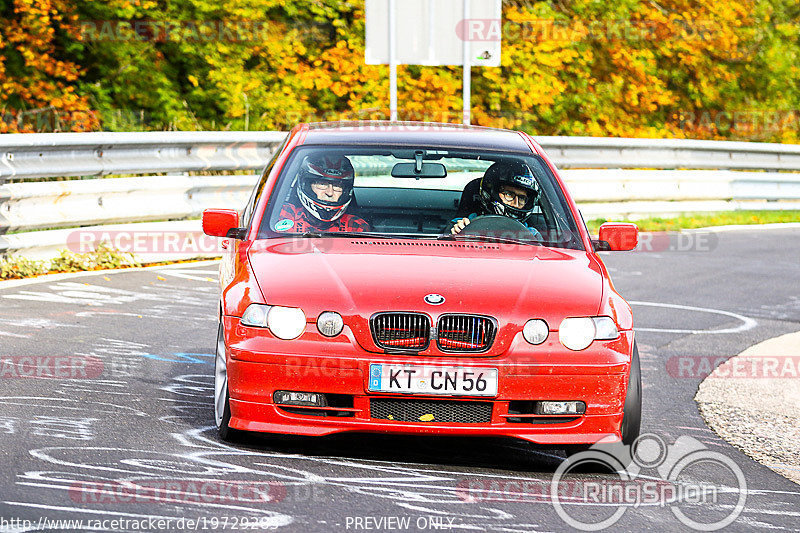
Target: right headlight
column 579, row 332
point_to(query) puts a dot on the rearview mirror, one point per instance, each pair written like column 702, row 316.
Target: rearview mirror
column 220, row 222
column 618, row 236
column 426, row 170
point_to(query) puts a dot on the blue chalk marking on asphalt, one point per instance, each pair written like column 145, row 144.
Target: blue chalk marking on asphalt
column 182, row 357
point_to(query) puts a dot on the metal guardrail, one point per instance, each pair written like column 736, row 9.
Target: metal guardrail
column 603, row 152
column 40, row 155
column 44, row 155
column 58, row 204
column 594, row 173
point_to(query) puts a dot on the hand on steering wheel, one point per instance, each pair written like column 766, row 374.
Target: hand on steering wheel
column 458, row 226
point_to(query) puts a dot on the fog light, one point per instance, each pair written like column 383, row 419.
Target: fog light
column 330, row 324
column 561, row 408
column 309, row 399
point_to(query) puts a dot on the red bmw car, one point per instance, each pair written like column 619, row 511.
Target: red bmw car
column 420, row 279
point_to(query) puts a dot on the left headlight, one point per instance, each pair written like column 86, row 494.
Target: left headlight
column 578, row 333
column 284, row 322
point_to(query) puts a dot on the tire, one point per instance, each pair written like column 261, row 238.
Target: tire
column 632, row 412
column 222, row 404
column 631, row 419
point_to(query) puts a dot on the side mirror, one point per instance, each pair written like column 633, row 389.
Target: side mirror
column 221, row 223
column 617, row 236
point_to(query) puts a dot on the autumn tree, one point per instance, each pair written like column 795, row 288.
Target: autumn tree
column 660, row 68
column 37, row 84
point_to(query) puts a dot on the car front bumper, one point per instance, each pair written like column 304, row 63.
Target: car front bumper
column 259, row 366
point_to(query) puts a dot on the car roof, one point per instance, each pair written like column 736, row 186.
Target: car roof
column 416, row 133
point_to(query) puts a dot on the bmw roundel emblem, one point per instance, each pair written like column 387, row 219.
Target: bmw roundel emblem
column 434, row 299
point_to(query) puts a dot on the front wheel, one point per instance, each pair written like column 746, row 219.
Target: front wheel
column 632, row 412
column 222, row 405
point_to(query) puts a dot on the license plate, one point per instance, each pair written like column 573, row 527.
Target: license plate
column 415, row 379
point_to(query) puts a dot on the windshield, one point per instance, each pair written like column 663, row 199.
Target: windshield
column 419, row 193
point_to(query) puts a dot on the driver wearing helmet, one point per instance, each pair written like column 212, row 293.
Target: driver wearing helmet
column 324, row 190
column 508, row 189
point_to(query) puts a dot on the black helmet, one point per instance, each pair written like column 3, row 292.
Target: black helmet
column 334, row 169
column 512, row 173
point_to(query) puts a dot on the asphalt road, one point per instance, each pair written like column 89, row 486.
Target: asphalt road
column 118, row 425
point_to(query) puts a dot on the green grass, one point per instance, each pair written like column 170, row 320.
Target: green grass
column 704, row 220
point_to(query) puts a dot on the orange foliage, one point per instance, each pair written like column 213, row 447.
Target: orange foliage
column 37, row 86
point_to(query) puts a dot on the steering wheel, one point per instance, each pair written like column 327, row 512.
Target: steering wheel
column 498, row 226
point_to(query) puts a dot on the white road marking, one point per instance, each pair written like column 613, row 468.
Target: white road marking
column 186, row 275
column 193, row 271
column 36, row 323
column 8, row 425
column 11, row 283
column 58, row 403
column 16, row 335
column 747, row 323
column 80, row 293
column 63, row 428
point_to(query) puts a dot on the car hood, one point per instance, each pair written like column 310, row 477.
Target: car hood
column 361, row 277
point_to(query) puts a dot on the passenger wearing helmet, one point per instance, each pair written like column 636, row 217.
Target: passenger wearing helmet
column 508, row 189
column 323, row 190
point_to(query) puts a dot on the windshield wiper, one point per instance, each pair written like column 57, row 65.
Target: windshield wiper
column 486, row 238
column 348, row 234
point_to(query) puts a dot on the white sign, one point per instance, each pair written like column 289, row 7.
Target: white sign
column 432, row 32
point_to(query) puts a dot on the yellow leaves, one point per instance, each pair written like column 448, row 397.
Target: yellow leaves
column 41, row 85
column 339, row 89
column 582, row 67
column 252, row 84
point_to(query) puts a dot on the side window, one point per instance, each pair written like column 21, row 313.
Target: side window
column 247, row 215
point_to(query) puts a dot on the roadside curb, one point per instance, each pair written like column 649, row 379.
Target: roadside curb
column 12, row 283
column 759, row 415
